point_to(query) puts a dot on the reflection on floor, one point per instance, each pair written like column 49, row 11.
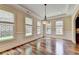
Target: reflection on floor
column 45, row 46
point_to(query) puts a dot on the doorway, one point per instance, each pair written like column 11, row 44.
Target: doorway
column 77, row 30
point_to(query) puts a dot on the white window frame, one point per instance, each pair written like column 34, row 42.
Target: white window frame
column 59, row 27
column 48, row 27
column 6, row 23
column 30, row 25
column 38, row 27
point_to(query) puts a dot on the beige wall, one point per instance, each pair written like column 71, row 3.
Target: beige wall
column 67, row 28
column 19, row 28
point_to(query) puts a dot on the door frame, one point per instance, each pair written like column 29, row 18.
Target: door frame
column 74, row 26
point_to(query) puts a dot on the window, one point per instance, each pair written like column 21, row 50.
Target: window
column 48, row 28
column 28, row 26
column 59, row 27
column 38, row 27
column 6, row 25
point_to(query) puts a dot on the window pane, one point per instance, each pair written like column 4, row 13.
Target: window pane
column 28, row 20
column 48, row 31
column 38, row 27
column 6, row 16
column 28, row 30
column 28, row 26
column 38, row 30
column 6, row 25
column 38, row 23
column 59, row 27
column 48, row 28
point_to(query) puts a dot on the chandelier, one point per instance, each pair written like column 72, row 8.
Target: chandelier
column 45, row 19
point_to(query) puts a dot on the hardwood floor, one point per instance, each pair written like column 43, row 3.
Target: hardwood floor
column 45, row 46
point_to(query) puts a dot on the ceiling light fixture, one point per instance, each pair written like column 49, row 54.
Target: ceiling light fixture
column 45, row 19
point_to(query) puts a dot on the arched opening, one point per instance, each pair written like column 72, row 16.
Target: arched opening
column 77, row 30
column 74, row 30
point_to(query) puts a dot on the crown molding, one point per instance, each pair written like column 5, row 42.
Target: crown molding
column 17, row 6
column 31, row 13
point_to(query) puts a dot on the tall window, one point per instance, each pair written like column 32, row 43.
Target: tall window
column 59, row 27
column 6, row 25
column 28, row 26
column 38, row 27
column 48, row 28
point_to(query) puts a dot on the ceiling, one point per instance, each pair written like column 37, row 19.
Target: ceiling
column 52, row 9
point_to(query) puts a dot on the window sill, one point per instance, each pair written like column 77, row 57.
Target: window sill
column 28, row 36
column 59, row 34
column 6, row 39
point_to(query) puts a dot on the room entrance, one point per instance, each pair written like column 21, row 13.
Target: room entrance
column 77, row 30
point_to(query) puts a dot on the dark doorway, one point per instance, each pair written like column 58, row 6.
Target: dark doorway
column 77, row 30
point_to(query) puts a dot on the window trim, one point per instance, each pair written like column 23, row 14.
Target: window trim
column 50, row 30
column 28, row 25
column 7, row 22
column 49, row 27
column 62, row 27
column 38, row 27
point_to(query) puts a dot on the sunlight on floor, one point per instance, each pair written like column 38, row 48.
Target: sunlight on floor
column 59, row 47
column 6, row 38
